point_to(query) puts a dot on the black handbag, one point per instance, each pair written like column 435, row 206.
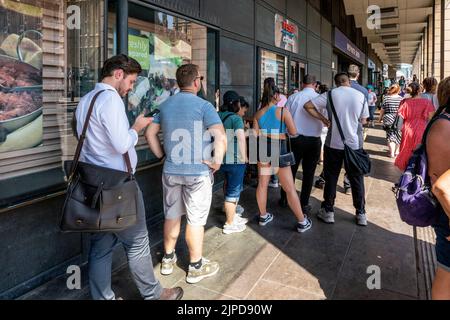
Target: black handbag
column 356, row 162
column 286, row 159
column 98, row 199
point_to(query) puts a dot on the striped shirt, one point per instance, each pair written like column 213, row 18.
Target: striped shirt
column 391, row 103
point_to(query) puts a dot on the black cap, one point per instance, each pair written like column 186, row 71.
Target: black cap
column 229, row 97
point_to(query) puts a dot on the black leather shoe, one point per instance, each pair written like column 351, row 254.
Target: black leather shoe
column 283, row 203
column 172, row 294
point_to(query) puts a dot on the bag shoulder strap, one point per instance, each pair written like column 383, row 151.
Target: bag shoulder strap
column 288, row 137
column 83, row 137
column 336, row 119
column 430, row 125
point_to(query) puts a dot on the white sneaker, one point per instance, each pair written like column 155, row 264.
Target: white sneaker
column 361, row 220
column 233, row 228
column 208, row 269
column 167, row 265
column 239, row 220
column 327, row 217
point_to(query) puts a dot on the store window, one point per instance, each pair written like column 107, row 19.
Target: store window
column 275, row 66
column 45, row 67
column 161, row 43
column 298, row 72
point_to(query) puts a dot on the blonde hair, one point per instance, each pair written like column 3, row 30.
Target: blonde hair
column 394, row 89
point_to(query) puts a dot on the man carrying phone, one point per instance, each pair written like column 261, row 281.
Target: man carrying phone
column 108, row 137
column 187, row 123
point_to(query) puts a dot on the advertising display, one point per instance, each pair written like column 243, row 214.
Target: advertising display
column 21, row 121
column 286, row 34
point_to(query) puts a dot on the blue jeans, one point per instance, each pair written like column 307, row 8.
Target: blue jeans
column 372, row 110
column 234, row 177
column 136, row 244
column 442, row 230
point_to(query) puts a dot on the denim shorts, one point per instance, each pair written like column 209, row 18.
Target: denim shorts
column 442, row 230
column 234, row 181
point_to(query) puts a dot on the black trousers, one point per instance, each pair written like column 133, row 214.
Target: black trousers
column 306, row 151
column 333, row 160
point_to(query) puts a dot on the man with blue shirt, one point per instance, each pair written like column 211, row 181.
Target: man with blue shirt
column 108, row 138
column 187, row 123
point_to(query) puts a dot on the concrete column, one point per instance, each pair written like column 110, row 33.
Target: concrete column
column 122, row 26
column 446, row 40
column 437, row 39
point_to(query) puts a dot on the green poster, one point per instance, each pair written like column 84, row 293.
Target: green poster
column 138, row 48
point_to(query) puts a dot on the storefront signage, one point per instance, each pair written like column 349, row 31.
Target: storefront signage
column 371, row 64
column 139, row 49
column 345, row 45
column 286, row 34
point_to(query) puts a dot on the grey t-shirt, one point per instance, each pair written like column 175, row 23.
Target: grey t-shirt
column 185, row 119
column 351, row 106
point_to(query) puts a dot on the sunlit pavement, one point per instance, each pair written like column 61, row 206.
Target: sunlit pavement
column 340, row 261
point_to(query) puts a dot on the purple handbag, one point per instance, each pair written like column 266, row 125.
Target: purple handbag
column 416, row 203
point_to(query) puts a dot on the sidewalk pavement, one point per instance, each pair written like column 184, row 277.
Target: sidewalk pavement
column 275, row 262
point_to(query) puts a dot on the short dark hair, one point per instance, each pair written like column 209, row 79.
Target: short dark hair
column 186, row 75
column 430, row 85
column 341, row 78
column 122, row 62
column 309, row 79
column 244, row 103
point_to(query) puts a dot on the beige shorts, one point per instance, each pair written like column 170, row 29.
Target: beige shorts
column 187, row 195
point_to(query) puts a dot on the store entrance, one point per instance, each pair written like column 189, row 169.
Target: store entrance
column 298, row 72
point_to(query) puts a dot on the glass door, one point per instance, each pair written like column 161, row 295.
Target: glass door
column 298, row 72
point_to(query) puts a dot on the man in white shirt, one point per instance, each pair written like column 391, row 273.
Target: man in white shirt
column 352, row 111
column 306, row 145
column 109, row 137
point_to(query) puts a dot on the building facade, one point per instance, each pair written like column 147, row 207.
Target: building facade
column 58, row 47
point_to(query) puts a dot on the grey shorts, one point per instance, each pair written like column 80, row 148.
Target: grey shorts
column 187, row 195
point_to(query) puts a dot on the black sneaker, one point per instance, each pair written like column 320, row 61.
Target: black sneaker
column 320, row 183
column 303, row 228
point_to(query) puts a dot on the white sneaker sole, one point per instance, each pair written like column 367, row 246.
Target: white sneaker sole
column 234, row 231
column 198, row 279
column 327, row 221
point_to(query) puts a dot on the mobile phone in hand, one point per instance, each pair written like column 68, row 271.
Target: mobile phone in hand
column 152, row 113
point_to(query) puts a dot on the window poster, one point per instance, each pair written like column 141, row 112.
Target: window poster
column 21, row 123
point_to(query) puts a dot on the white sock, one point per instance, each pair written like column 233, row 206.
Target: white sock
column 304, row 222
column 265, row 216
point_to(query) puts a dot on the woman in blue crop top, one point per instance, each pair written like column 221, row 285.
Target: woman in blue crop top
column 267, row 124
